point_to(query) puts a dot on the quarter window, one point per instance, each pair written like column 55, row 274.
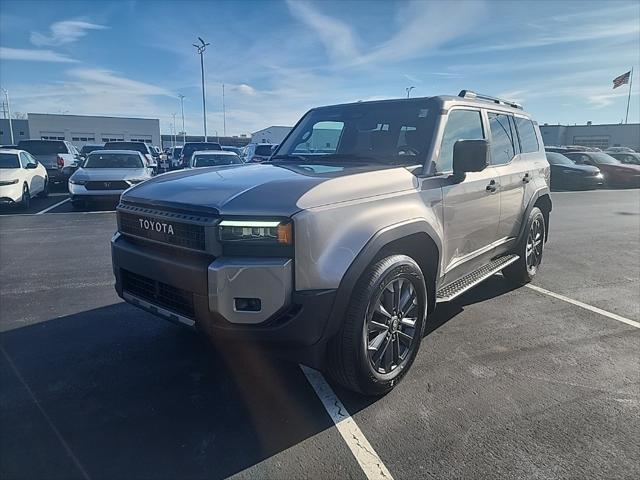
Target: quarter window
column 502, row 139
column 527, row 133
column 461, row 125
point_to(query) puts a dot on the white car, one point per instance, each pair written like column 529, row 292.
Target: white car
column 105, row 174
column 214, row 158
column 21, row 178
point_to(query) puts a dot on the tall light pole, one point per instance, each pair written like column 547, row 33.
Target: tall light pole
column 6, row 96
column 174, row 128
column 408, row 89
column 224, row 115
column 184, row 134
column 201, row 48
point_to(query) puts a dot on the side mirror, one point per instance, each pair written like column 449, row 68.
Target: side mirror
column 31, row 166
column 470, row 156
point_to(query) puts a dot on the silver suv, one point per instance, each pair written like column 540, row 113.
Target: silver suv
column 336, row 251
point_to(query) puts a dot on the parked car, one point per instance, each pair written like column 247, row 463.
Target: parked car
column 212, row 158
column 87, row 149
column 9, row 147
column 141, row 147
column 21, row 178
column 571, row 148
column 174, row 156
column 565, row 173
column 620, row 150
column 59, row 157
column 105, row 174
column 257, row 152
column 616, row 173
column 190, row 147
column 630, row 158
column 337, row 260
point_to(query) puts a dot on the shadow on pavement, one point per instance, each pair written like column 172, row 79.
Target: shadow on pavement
column 135, row 397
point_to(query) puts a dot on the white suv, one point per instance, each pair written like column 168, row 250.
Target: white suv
column 21, row 177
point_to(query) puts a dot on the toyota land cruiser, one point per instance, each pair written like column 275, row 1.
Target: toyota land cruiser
column 336, row 250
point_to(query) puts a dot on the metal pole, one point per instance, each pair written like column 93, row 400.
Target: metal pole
column 174, row 128
column 184, row 133
column 224, row 115
column 408, row 89
column 6, row 96
column 204, row 101
column 626, row 120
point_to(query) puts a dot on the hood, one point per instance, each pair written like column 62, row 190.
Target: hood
column 106, row 174
column 268, row 189
column 10, row 173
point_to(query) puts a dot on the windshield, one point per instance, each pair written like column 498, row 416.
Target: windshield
column 603, row 158
column 90, row 148
column 189, row 148
column 9, row 160
column 43, row 147
column 213, row 160
column 386, row 132
column 135, row 146
column 559, row 159
column 113, row 160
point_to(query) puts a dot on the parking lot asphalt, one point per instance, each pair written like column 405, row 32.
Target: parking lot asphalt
column 509, row 382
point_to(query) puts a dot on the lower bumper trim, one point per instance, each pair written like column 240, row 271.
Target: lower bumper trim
column 156, row 310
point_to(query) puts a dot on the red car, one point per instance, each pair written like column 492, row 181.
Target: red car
column 616, row 173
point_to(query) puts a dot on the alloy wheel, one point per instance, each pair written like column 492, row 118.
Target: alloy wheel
column 390, row 328
column 535, row 242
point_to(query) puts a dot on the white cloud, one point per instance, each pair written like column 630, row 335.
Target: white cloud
column 336, row 35
column 67, row 31
column 105, row 78
column 33, row 55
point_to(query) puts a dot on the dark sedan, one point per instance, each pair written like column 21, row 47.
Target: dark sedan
column 616, row 173
column 626, row 157
column 566, row 174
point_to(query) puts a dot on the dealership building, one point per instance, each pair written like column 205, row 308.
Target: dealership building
column 273, row 134
column 590, row 135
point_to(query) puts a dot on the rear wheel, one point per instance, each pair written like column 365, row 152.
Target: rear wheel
column 25, row 201
column 529, row 250
column 381, row 334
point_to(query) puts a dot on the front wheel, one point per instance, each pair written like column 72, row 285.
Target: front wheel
column 381, row 334
column 530, row 250
column 25, row 201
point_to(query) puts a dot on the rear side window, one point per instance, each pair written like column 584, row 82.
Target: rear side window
column 527, row 133
column 502, row 139
column 43, row 147
column 461, row 125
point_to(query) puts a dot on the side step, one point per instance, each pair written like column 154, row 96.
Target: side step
column 451, row 291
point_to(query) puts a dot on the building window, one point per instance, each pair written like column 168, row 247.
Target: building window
column 22, row 134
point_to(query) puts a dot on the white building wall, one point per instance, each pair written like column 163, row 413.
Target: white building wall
column 82, row 130
column 274, row 134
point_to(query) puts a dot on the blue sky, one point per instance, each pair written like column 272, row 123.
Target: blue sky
column 280, row 58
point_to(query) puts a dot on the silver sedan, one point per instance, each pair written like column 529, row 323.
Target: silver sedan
column 105, row 174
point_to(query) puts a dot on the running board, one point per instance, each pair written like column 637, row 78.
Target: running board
column 451, row 291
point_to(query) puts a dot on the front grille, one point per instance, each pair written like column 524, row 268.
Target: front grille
column 107, row 185
column 167, row 296
column 186, row 235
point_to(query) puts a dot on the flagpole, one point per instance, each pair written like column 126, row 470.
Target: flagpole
column 626, row 120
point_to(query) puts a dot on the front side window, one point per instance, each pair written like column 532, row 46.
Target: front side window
column 502, row 139
column 461, row 125
column 527, row 133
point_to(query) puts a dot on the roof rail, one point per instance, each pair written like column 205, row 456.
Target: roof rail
column 500, row 101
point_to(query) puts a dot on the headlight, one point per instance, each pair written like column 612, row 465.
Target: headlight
column 77, row 182
column 8, row 182
column 256, row 231
column 599, row 175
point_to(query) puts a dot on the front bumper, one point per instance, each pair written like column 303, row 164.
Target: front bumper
column 198, row 290
column 79, row 192
column 11, row 193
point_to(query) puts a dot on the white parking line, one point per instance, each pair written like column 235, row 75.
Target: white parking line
column 52, row 206
column 586, row 306
column 366, row 456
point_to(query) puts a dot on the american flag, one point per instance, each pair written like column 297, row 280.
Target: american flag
column 621, row 80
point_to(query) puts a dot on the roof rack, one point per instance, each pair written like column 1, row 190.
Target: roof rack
column 500, row 101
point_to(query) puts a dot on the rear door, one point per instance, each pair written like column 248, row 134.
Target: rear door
column 472, row 206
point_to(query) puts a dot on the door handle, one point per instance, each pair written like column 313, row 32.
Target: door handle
column 526, row 178
column 492, row 186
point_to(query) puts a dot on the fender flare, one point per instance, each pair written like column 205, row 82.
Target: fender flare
column 541, row 192
column 368, row 253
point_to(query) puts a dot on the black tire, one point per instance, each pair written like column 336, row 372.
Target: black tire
column 45, row 193
column 351, row 357
column 530, row 250
column 78, row 204
column 25, row 201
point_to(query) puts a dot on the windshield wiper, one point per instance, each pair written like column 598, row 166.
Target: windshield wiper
column 289, row 157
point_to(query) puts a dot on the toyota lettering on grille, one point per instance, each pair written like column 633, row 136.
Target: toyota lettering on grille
column 156, row 226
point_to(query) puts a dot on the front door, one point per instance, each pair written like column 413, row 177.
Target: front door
column 471, row 207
